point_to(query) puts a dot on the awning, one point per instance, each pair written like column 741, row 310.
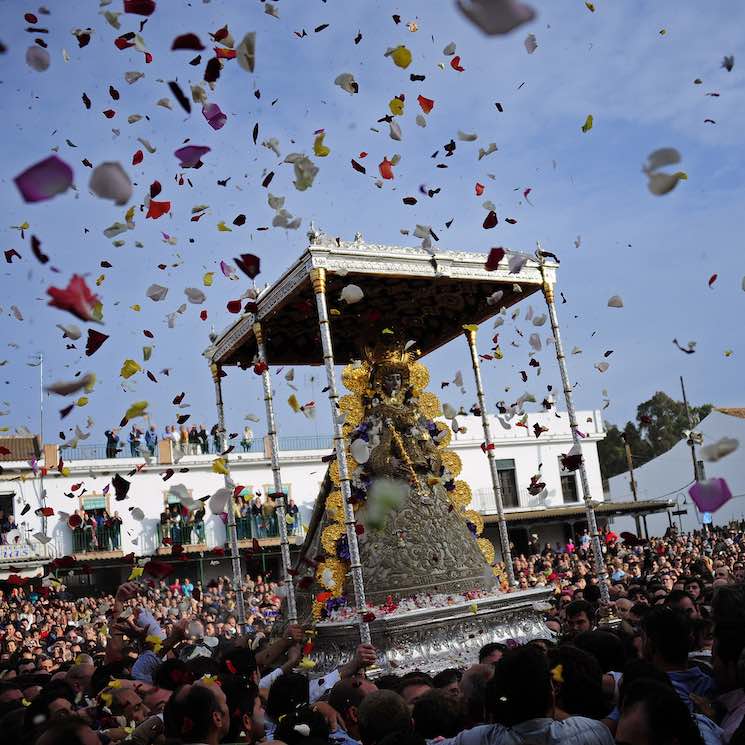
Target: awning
column 27, row 573
column 577, row 511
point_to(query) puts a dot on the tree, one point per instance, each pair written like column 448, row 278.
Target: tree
column 661, row 423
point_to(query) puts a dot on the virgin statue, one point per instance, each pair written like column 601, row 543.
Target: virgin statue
column 415, row 536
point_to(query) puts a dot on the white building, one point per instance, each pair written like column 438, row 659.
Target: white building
column 669, row 477
column 85, row 483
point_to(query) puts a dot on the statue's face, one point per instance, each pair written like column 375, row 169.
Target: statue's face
column 392, row 383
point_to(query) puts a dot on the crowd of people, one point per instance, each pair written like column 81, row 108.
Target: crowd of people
column 169, row 663
column 194, row 440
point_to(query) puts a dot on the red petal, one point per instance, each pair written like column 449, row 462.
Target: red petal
column 187, row 41
column 157, row 209
column 75, row 298
column 137, row 158
column 140, row 7
column 109, row 113
column 455, row 64
column 491, row 220
column 249, row 264
column 386, row 169
column 225, row 53
column 95, row 340
column 495, row 256
column 155, row 189
column 427, row 104
column 234, row 306
column 479, row 189
column 712, row 279
column 203, row 315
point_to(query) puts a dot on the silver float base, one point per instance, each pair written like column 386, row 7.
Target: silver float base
column 432, row 639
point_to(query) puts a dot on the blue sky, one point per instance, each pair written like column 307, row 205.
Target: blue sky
column 656, row 252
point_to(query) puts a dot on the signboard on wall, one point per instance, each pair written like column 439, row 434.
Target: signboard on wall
column 17, row 552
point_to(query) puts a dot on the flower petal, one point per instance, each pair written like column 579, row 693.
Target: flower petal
column 44, row 180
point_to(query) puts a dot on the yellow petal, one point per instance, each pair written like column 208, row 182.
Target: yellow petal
column 401, row 56
column 474, row 608
column 129, row 368
column 319, row 148
column 97, row 311
column 65, row 471
column 334, row 312
column 218, row 466
column 396, row 106
column 136, row 409
column 306, row 663
column 557, row 674
column 91, row 382
column 590, row 7
column 146, row 353
column 135, row 573
column 470, row 327
column 129, row 216
column 681, row 175
column 100, row 279
column 587, row 126
column 223, row 228
column 82, row 401
column 207, row 279
column 294, row 404
column 136, row 307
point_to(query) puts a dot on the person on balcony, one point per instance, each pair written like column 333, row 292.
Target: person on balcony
column 248, row 439
column 115, row 526
column 257, row 520
column 204, row 442
column 293, row 518
column 197, row 526
column 112, row 442
column 151, row 439
column 270, row 517
column 134, row 441
column 184, row 440
column 194, row 445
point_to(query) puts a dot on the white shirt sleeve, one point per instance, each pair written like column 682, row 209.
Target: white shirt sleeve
column 269, row 678
column 319, row 686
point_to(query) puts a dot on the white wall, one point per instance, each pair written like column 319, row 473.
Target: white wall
column 669, row 477
column 303, row 471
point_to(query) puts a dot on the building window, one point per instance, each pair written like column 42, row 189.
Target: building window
column 508, row 482
column 95, row 504
column 569, row 491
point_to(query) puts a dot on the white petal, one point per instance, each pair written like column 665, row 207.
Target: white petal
column 395, row 130
column 719, row 449
column 37, row 58
column 665, row 156
column 496, row 16
column 449, row 411
column 156, row 292
column 601, row 366
column 530, row 43
column 449, row 50
column 352, row 294
column 662, row 183
column 535, row 342
column 110, row 181
column 195, row 295
column 615, row 302
column 360, row 450
column 346, row 82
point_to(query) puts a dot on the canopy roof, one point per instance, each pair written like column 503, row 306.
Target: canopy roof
column 420, row 295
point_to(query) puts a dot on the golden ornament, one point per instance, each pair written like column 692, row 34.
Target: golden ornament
column 335, row 506
column 474, row 517
column 330, row 575
column 352, row 407
column 452, row 462
column 461, row 495
column 444, row 441
column 329, row 537
column 419, row 377
column 355, row 378
column 429, row 405
column 487, row 549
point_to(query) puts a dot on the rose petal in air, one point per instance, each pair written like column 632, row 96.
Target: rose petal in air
column 44, row 180
column 156, row 292
column 191, row 155
column 214, row 116
column 195, row 295
column 352, row 294
column 37, row 58
column 249, row 264
column 615, row 301
column 110, row 181
column 75, row 298
column 187, row 41
column 496, row 16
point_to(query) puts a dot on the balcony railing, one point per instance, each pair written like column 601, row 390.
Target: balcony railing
column 264, row 527
column 185, row 534
column 96, row 540
column 123, row 450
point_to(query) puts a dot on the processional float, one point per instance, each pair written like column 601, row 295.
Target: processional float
column 392, row 555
